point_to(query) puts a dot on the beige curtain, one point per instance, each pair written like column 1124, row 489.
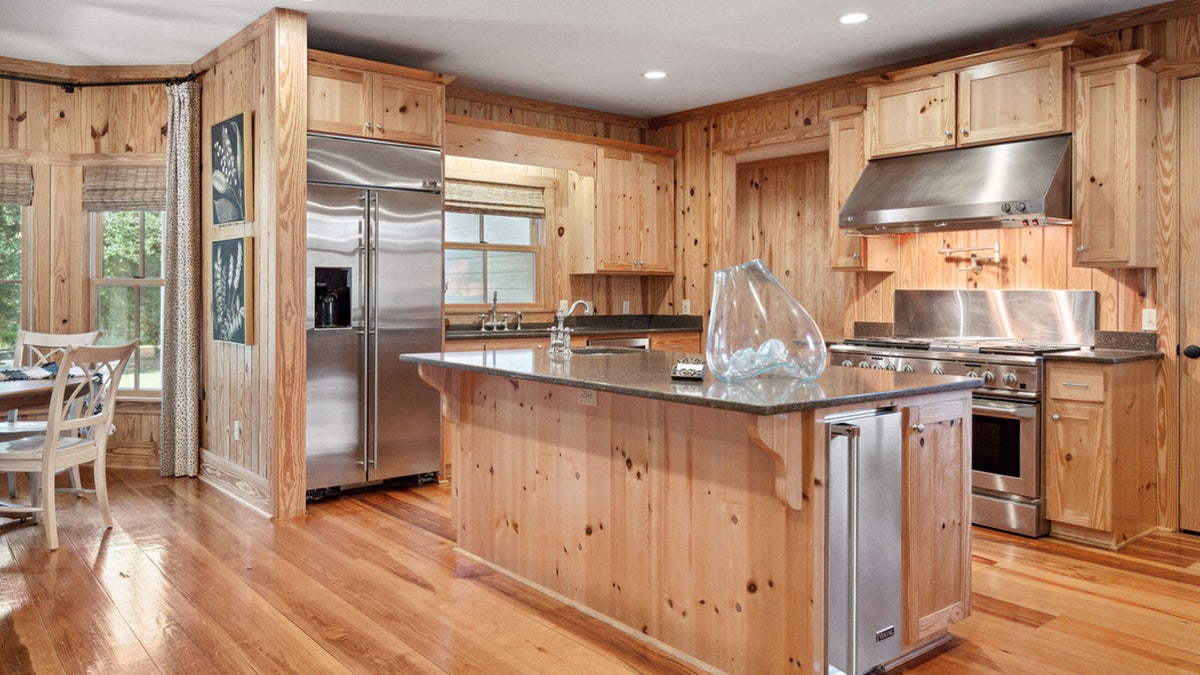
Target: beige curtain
column 180, row 432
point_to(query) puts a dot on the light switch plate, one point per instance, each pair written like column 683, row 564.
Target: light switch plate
column 687, row 306
column 1149, row 319
column 624, row 306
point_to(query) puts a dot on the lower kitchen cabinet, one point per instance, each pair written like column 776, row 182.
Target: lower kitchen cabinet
column 491, row 344
column 687, row 342
column 1099, row 440
column 936, row 517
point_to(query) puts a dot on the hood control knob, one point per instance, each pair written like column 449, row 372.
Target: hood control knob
column 1006, row 207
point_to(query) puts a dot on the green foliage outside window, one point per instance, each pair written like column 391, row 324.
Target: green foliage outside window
column 10, row 277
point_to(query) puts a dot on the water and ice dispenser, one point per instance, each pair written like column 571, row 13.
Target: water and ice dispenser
column 331, row 297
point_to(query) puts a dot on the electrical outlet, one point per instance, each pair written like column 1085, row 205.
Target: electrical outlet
column 1149, row 319
column 624, row 306
column 237, row 430
column 587, row 397
column 687, row 306
column 562, row 305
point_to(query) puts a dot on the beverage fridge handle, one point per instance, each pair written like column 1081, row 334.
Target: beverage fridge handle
column 851, row 433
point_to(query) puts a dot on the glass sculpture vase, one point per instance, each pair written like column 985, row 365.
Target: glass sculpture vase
column 758, row 329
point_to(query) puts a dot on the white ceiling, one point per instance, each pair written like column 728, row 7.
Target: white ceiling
column 588, row 53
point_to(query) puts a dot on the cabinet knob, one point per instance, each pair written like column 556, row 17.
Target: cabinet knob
column 949, row 134
column 367, row 124
column 1054, row 417
column 378, row 126
column 919, row 428
column 965, row 131
column 856, row 256
column 1081, row 248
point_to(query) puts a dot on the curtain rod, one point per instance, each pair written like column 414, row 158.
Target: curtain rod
column 70, row 87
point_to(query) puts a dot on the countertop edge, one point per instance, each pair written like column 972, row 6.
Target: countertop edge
column 702, row 401
column 456, row 335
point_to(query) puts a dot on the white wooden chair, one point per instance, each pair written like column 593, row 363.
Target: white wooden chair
column 38, row 349
column 81, row 412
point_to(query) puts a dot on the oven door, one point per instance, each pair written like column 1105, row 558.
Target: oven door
column 1004, row 446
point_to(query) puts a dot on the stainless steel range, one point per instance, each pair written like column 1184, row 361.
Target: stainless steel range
column 999, row 336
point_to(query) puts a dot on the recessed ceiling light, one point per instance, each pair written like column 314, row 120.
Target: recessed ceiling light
column 853, row 17
column 654, row 74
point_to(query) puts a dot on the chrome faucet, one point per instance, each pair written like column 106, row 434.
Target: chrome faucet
column 560, row 336
column 489, row 321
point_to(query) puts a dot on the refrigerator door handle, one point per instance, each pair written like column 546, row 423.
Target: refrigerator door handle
column 364, row 265
column 373, row 337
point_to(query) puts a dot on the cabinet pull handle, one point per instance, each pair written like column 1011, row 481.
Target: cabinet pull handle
column 1075, row 385
column 919, row 428
column 1054, row 417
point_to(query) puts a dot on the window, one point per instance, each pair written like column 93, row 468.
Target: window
column 126, row 206
column 11, row 273
column 16, row 192
column 493, row 243
column 127, row 279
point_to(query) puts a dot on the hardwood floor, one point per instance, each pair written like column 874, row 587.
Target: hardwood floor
column 188, row 581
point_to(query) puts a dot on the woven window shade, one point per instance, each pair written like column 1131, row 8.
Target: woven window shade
column 16, row 184
column 124, row 188
column 472, row 197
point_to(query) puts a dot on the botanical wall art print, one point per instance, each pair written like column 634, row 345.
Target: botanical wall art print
column 232, row 170
column 233, row 290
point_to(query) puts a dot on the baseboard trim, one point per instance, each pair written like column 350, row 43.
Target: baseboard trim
column 236, row 481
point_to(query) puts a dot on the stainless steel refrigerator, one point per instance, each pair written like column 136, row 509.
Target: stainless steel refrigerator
column 374, row 290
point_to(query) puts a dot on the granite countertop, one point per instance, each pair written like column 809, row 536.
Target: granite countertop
column 647, row 374
column 614, row 324
column 1103, row 355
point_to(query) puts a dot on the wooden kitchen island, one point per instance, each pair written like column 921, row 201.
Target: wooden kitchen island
column 693, row 514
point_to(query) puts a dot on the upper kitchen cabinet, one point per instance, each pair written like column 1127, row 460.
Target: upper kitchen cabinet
column 851, row 252
column 1006, row 94
column 1113, row 166
column 633, row 230
column 356, row 97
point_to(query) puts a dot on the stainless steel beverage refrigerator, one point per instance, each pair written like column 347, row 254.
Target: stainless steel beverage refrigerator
column 374, row 290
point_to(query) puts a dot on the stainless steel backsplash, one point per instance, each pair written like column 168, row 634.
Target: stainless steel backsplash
column 1035, row 316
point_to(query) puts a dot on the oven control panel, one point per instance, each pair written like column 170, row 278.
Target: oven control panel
column 998, row 376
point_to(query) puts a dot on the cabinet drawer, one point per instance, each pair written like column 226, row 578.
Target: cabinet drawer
column 1075, row 382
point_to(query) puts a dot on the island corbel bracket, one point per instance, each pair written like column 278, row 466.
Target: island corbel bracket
column 786, row 437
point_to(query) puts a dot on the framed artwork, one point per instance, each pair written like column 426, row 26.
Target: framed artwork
column 233, row 290
column 233, row 170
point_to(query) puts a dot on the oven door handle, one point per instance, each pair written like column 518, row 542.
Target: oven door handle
column 1021, row 410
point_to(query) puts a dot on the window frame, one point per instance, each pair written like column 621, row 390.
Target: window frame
column 96, row 281
column 544, row 253
column 537, row 228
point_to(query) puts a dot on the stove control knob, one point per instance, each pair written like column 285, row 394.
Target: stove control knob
column 1010, row 379
column 938, row 370
column 907, row 368
column 971, row 373
column 848, row 363
column 878, row 366
column 988, row 377
column 864, row 364
column 889, row 366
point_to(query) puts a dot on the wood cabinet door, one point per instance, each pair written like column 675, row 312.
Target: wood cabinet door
column 1013, row 98
column 910, row 116
column 936, row 518
column 407, row 111
column 617, row 195
column 338, row 100
column 1078, row 465
column 1113, row 168
column 656, row 211
column 847, row 158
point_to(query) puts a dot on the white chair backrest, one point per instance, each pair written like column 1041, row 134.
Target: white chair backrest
column 84, row 404
column 37, row 349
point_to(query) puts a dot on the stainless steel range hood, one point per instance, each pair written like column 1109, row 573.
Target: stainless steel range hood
column 1018, row 184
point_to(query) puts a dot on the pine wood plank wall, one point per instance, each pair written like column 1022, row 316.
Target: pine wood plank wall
column 58, row 133
column 260, row 386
